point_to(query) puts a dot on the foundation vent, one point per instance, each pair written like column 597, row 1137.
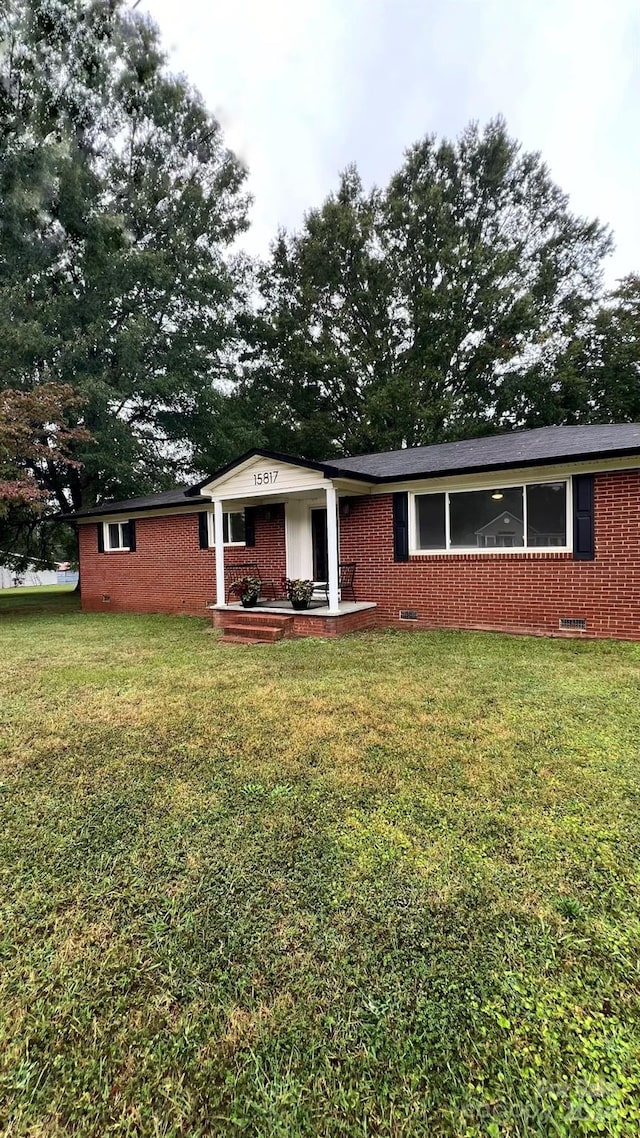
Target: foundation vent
column 106, row 598
column 408, row 614
column 572, row 623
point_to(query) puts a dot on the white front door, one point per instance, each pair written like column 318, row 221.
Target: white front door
column 298, row 539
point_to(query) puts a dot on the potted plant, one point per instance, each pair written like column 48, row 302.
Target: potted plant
column 299, row 592
column 248, row 589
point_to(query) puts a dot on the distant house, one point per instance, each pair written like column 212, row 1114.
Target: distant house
column 505, row 531
column 65, row 575
column 533, row 531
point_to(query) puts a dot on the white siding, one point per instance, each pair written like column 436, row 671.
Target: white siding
column 263, row 477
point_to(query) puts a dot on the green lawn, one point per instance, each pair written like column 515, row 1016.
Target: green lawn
column 382, row 886
column 39, row 598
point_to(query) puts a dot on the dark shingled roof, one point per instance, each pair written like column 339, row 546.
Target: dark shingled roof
column 518, row 448
column 538, row 447
column 175, row 497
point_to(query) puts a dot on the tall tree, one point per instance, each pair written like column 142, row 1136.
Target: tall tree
column 119, row 207
column 611, row 356
column 324, row 341
column 596, row 379
column 423, row 311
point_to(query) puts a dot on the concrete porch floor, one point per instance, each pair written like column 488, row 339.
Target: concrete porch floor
column 284, row 608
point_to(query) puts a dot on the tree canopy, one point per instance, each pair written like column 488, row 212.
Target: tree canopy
column 606, row 361
column 119, row 204
column 432, row 309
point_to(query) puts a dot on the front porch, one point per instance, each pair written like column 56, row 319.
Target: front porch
column 291, row 517
column 277, row 620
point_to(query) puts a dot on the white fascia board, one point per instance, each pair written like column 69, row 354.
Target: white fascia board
column 234, row 496
column 351, row 487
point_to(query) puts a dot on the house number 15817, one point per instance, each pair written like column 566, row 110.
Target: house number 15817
column 267, row 478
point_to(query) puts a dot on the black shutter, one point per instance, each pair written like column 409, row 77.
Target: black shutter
column 401, row 526
column 583, row 529
column 100, row 529
column 131, row 528
column 203, row 529
column 250, row 525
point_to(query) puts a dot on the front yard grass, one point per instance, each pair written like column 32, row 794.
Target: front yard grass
column 382, row 886
column 39, row 598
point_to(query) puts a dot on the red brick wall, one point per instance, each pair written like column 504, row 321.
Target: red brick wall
column 335, row 626
column 512, row 592
column 270, row 550
column 168, row 571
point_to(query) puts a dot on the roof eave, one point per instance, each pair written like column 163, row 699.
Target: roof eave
column 124, row 508
column 518, row 464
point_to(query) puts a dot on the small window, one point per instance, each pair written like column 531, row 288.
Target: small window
column 116, row 536
column 233, row 532
column 233, row 528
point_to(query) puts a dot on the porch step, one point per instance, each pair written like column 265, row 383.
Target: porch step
column 242, row 640
column 277, row 619
column 258, row 628
column 265, row 632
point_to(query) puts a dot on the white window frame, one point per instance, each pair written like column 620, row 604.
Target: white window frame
column 108, row 547
column 211, row 529
column 489, row 551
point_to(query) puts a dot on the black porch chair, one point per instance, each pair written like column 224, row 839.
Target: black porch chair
column 234, row 574
column 346, row 576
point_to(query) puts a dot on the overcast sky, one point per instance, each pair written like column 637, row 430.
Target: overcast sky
column 304, row 88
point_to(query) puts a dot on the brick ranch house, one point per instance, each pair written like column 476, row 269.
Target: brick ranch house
column 534, row 531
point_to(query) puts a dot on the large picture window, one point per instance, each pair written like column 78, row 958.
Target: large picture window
column 232, row 528
column 487, row 519
column 532, row 516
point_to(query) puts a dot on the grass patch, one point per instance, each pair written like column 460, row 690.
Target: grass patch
column 381, row 886
column 39, row 598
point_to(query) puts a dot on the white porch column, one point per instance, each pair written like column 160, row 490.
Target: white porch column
column 332, row 546
column 218, row 533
